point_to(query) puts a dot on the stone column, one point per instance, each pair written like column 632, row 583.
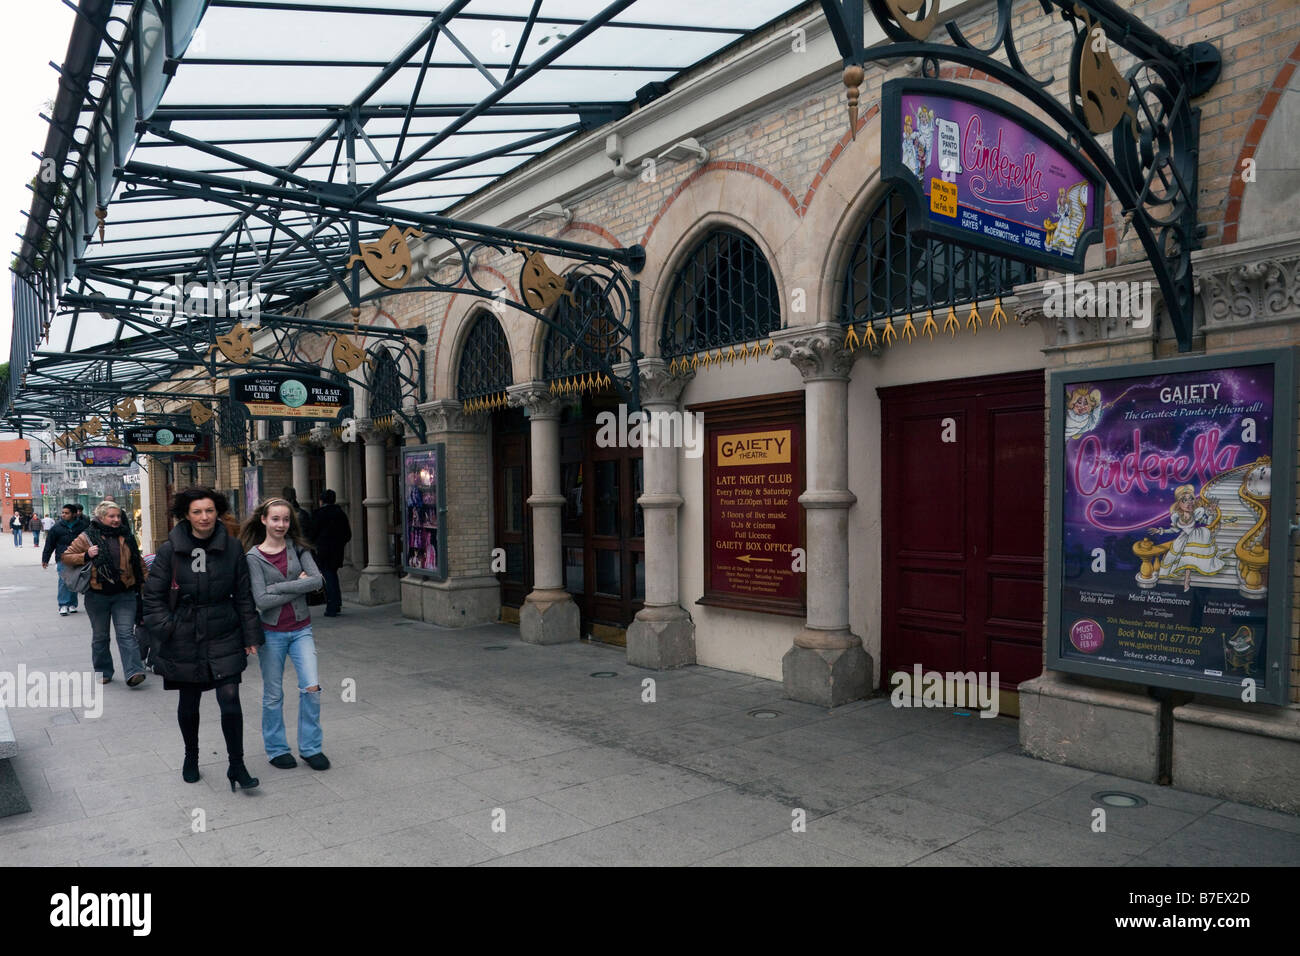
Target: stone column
column 378, row 583
column 828, row 664
column 301, row 482
column 662, row 635
column 549, row 614
column 470, row 594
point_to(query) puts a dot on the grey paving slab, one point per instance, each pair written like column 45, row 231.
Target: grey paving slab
column 386, row 812
column 267, row 842
column 636, row 842
column 1258, row 816
column 891, row 830
column 1229, row 842
column 166, row 853
column 631, row 794
column 725, row 820
column 429, row 844
column 785, row 849
column 736, row 765
column 1034, row 839
column 825, row 786
column 512, row 827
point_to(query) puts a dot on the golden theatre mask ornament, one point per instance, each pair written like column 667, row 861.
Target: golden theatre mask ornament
column 388, row 259
column 200, row 413
column 541, row 287
column 236, row 346
column 125, row 409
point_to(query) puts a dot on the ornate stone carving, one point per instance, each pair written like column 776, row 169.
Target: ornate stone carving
column 445, row 415
column 1118, row 304
column 817, row 351
column 1251, row 292
column 535, row 399
column 658, row 385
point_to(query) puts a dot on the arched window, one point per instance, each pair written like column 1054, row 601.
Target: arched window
column 385, row 384
column 592, row 319
column 893, row 273
column 484, row 360
column 723, row 294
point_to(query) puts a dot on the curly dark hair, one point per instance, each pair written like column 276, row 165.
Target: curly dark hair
column 181, row 503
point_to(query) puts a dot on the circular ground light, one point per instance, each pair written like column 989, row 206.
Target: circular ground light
column 765, row 714
column 495, row 647
column 1118, row 798
column 605, row 674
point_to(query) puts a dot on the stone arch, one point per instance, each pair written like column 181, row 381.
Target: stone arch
column 691, row 234
column 460, row 320
column 1272, row 147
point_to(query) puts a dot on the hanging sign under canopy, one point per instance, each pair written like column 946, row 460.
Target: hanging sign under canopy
column 105, row 456
column 982, row 173
column 163, row 440
column 281, row 395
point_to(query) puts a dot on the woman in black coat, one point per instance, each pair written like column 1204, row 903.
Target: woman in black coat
column 199, row 611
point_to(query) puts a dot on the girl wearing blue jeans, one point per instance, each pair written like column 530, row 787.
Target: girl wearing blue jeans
column 283, row 573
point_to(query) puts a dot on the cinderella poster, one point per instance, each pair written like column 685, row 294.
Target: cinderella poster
column 1166, row 513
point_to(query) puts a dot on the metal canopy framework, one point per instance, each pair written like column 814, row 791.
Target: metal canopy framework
column 1155, row 131
column 259, row 152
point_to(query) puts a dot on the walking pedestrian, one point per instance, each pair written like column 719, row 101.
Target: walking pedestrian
column 47, row 523
column 35, row 526
column 116, row 575
column 283, row 573
column 333, row 532
column 64, row 532
column 16, row 526
column 305, row 524
column 198, row 607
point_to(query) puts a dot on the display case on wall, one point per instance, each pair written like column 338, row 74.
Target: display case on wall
column 424, row 511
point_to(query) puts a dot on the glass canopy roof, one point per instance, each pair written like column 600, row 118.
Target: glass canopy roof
column 262, row 141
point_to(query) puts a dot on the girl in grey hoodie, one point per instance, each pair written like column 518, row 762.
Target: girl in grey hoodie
column 283, row 573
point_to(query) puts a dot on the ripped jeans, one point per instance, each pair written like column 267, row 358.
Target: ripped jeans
column 300, row 647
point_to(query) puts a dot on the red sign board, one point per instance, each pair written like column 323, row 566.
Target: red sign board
column 755, row 521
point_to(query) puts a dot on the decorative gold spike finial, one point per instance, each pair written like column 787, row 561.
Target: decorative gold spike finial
column 851, row 339
column 909, row 330
column 950, row 324
column 929, row 326
column 101, row 214
column 889, row 334
column 999, row 315
column 869, row 335
column 973, row 321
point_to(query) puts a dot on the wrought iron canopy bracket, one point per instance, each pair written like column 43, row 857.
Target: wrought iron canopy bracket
column 1155, row 131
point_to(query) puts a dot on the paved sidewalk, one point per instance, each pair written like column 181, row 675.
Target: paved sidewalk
column 453, row 731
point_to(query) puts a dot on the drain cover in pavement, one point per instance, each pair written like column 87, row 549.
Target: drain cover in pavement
column 605, row 674
column 495, row 647
column 765, row 714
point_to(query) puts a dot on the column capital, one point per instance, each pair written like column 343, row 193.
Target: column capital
column 371, row 433
column 323, row 435
column 268, row 448
column 301, row 446
column 817, row 351
column 660, row 386
column 537, row 401
column 447, row 415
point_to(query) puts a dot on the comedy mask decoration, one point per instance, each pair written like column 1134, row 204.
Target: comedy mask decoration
column 200, row 413
column 541, row 287
column 388, row 259
column 346, row 354
column 92, row 426
column 237, row 346
column 125, row 409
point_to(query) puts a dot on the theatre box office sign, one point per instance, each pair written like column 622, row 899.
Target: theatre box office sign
column 1170, row 562
column 753, row 478
column 982, row 173
column 279, row 395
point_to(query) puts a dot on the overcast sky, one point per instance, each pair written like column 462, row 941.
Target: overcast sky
column 35, row 32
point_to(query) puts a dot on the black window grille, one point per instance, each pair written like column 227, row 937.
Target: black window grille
column 484, row 361
column 385, row 384
column 724, row 294
column 232, row 424
column 591, row 319
column 892, row 273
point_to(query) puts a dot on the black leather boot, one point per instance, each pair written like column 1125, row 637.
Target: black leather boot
column 238, row 774
column 190, row 769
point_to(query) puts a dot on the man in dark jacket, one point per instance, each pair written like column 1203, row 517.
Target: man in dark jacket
column 305, row 523
column 332, row 533
column 65, row 531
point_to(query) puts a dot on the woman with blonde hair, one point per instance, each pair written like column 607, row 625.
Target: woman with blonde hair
column 283, row 573
column 116, row 576
column 1195, row 548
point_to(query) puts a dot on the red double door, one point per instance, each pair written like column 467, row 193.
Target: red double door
column 962, row 516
